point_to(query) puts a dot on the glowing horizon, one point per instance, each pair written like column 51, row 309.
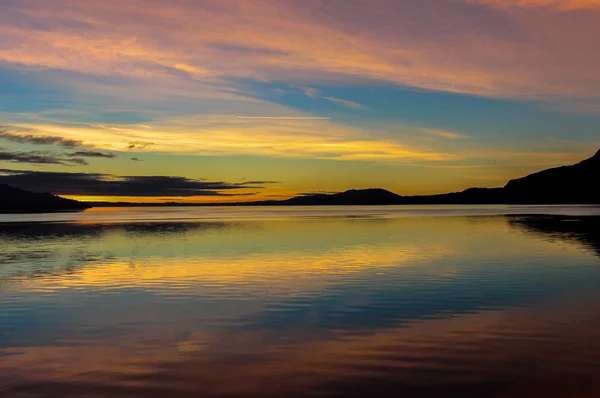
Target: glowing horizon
column 416, row 98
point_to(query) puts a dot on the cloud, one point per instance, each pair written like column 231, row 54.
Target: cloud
column 41, row 157
column 558, row 4
column 452, row 135
column 139, row 145
column 346, row 103
column 461, row 46
column 285, row 117
column 220, row 135
column 47, row 157
column 311, row 92
column 92, row 154
column 97, row 184
column 28, row 138
column 314, row 93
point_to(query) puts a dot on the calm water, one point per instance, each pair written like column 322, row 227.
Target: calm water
column 445, row 301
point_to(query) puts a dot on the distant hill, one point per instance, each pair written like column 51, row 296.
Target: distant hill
column 575, row 184
column 15, row 200
column 378, row 196
column 374, row 196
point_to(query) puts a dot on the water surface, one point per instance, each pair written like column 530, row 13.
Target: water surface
column 444, row 301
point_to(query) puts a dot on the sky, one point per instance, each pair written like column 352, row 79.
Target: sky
column 236, row 100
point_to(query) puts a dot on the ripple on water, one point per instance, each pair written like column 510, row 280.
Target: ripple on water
column 489, row 306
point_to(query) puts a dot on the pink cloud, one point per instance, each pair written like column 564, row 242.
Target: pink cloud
column 454, row 46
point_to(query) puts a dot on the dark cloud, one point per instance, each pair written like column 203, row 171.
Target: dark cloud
column 46, row 157
column 92, row 154
column 92, row 184
column 139, row 145
column 41, row 157
column 28, row 138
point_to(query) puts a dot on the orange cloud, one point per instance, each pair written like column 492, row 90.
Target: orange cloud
column 559, row 4
column 523, row 56
column 278, row 136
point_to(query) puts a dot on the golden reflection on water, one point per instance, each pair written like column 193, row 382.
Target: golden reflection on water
column 434, row 306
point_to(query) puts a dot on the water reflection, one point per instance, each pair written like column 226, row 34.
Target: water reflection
column 418, row 307
column 585, row 230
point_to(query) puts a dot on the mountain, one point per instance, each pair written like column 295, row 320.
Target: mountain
column 15, row 200
column 579, row 183
column 378, row 196
column 575, row 184
column 373, row 196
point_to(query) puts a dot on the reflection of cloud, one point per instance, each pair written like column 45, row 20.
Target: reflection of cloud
column 316, row 250
column 516, row 353
column 281, row 271
column 193, row 323
column 94, row 184
column 30, row 258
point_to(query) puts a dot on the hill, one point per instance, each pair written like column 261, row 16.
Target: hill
column 578, row 183
column 575, row 184
column 15, row 200
column 373, row 196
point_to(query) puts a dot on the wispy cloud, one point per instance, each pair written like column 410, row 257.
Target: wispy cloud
column 558, row 4
column 275, row 137
column 97, row 184
column 37, row 139
column 92, row 154
column 346, row 103
column 139, row 145
column 452, row 135
column 285, row 117
column 456, row 49
column 314, row 93
column 40, row 158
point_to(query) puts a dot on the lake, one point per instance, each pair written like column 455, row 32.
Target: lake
column 412, row 301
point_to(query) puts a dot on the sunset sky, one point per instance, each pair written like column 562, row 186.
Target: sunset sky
column 235, row 100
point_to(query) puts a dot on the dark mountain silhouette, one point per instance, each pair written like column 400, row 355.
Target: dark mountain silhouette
column 15, row 200
column 579, row 183
column 575, row 184
column 378, row 196
column 373, row 196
